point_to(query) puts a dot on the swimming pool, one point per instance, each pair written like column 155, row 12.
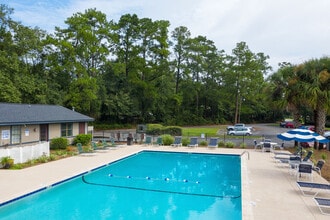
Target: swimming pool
column 147, row 185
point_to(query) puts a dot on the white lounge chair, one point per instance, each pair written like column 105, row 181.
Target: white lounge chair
column 213, row 143
column 177, row 142
column 193, row 142
column 312, row 189
column 324, row 205
column 305, row 169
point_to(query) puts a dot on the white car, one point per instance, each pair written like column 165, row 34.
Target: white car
column 326, row 134
column 244, row 131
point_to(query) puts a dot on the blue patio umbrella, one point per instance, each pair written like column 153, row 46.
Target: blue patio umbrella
column 302, row 135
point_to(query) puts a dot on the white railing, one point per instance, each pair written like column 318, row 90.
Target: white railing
column 23, row 153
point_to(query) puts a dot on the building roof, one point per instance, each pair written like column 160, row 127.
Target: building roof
column 19, row 114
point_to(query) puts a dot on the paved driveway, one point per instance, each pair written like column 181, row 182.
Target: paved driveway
column 259, row 132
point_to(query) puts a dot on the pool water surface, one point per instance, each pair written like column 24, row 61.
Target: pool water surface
column 147, row 185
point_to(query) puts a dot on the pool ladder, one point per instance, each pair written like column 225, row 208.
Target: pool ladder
column 246, row 152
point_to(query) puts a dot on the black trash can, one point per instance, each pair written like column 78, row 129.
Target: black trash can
column 129, row 140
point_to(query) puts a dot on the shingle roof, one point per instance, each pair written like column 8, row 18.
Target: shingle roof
column 19, row 114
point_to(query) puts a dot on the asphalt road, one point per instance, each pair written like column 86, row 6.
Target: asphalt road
column 259, row 132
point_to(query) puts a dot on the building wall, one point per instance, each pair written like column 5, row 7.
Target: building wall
column 4, row 140
column 30, row 133
column 54, row 131
column 31, row 147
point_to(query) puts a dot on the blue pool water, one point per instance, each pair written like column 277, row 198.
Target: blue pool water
column 147, row 185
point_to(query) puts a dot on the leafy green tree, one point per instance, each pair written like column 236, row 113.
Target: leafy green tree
column 82, row 95
column 244, row 77
column 180, row 36
column 21, row 63
column 79, row 52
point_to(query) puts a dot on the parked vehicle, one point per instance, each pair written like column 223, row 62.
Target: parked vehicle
column 233, row 127
column 327, row 134
column 308, row 127
column 244, row 131
column 287, row 123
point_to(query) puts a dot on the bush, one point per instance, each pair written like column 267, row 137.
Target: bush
column 243, row 145
column 203, row 143
column 185, row 141
column 230, row 144
column 221, row 144
column 173, row 130
column 58, row 143
column 84, row 139
column 167, row 139
column 158, row 129
column 154, row 129
column 324, row 156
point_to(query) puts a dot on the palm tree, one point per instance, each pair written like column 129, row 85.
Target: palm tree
column 286, row 94
column 314, row 86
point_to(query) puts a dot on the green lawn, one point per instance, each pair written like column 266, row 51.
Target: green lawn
column 208, row 132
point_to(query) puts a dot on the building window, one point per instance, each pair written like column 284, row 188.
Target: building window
column 66, row 130
column 16, row 134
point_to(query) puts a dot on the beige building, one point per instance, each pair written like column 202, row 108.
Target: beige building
column 27, row 129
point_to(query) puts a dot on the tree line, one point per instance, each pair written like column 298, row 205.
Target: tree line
column 135, row 70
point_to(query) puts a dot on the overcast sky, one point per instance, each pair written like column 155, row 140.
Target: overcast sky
column 286, row 30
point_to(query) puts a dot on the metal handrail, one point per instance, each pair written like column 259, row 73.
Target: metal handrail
column 248, row 153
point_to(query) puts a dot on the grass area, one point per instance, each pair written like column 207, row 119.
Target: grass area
column 197, row 131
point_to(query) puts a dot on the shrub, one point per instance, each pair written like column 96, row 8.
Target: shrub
column 173, row 130
column 324, row 156
column 230, row 144
column 58, row 143
column 185, row 141
column 158, row 129
column 43, row 159
column 167, row 139
column 84, row 139
column 243, row 145
column 203, row 143
column 17, row 166
column 154, row 129
column 221, row 144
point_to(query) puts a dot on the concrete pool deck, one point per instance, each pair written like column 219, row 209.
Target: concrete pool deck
column 268, row 191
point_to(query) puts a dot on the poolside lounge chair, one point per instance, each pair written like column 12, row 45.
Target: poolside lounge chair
column 111, row 145
column 285, row 155
column 159, row 141
column 281, row 147
column 267, row 147
column 308, row 156
column 256, row 145
column 95, row 147
column 177, row 142
column 105, row 144
column 324, row 205
column 305, row 169
column 148, row 140
column 213, row 143
column 193, row 142
column 288, row 159
column 82, row 152
column 312, row 189
column 318, row 166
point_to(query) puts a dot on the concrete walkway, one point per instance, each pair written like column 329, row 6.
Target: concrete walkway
column 268, row 191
